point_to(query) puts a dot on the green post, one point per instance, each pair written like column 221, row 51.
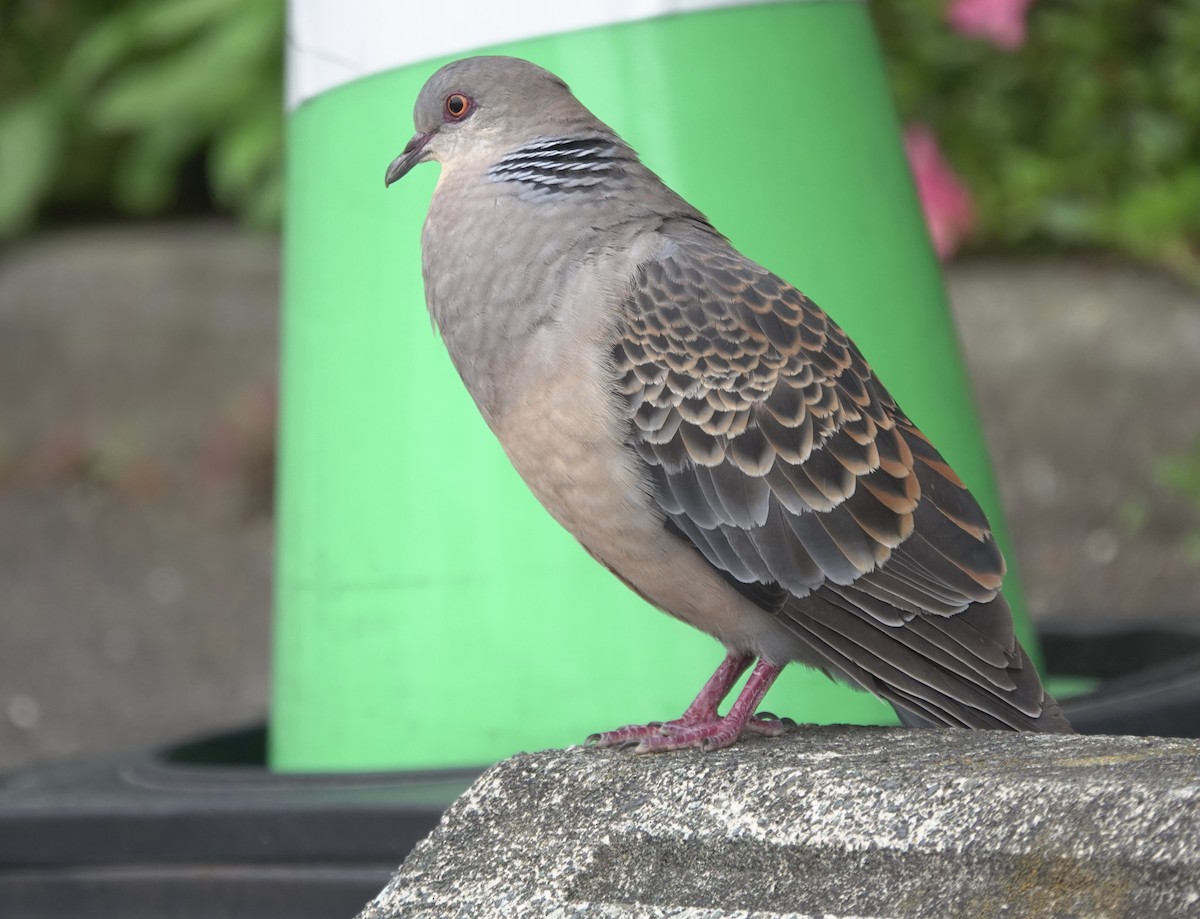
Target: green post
column 429, row 612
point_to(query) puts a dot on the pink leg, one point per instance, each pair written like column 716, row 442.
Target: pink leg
column 701, row 726
column 703, row 708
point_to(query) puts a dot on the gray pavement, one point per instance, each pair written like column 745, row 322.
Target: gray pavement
column 1088, row 376
column 137, row 368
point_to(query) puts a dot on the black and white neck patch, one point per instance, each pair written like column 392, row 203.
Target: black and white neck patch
column 563, row 165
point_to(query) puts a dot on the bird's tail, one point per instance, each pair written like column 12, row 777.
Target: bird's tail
column 1050, row 721
column 961, row 670
column 1049, row 717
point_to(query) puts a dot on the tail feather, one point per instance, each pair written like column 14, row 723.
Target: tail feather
column 917, row 676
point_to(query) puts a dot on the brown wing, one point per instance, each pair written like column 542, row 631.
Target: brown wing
column 776, row 452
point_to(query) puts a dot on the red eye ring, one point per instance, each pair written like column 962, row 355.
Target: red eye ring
column 457, row 106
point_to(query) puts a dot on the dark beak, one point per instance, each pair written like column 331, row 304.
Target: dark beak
column 414, row 152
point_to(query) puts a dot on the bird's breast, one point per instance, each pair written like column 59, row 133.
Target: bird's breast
column 528, row 305
column 491, row 274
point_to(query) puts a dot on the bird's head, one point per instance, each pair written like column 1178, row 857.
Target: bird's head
column 481, row 107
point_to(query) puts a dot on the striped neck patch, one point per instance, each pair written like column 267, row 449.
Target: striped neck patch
column 562, row 165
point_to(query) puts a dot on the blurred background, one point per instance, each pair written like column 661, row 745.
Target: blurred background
column 1056, row 149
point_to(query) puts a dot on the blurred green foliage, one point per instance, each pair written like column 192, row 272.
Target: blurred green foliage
column 105, row 106
column 1181, row 472
column 1087, row 136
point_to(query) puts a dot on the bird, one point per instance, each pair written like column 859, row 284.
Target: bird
column 701, row 427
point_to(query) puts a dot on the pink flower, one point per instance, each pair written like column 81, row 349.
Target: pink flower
column 1002, row 22
column 944, row 199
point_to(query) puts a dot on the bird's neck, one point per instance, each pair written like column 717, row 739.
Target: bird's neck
column 503, row 239
column 563, row 166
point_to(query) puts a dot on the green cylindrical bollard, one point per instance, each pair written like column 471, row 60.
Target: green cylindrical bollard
column 429, row 612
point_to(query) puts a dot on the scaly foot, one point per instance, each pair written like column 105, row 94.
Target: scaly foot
column 701, row 726
column 680, row 734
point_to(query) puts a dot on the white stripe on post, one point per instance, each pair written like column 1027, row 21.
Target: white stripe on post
column 328, row 46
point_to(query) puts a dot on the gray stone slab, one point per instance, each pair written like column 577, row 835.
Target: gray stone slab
column 828, row 821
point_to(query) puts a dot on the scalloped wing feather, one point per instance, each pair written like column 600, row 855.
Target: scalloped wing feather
column 777, row 453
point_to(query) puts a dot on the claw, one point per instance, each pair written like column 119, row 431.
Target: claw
column 700, row 726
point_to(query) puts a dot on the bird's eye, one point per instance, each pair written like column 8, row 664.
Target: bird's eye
column 457, row 105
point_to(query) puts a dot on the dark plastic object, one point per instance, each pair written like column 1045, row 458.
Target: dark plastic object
column 1150, row 673
column 203, row 830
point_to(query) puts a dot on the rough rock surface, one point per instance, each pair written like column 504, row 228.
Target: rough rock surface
column 829, row 821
